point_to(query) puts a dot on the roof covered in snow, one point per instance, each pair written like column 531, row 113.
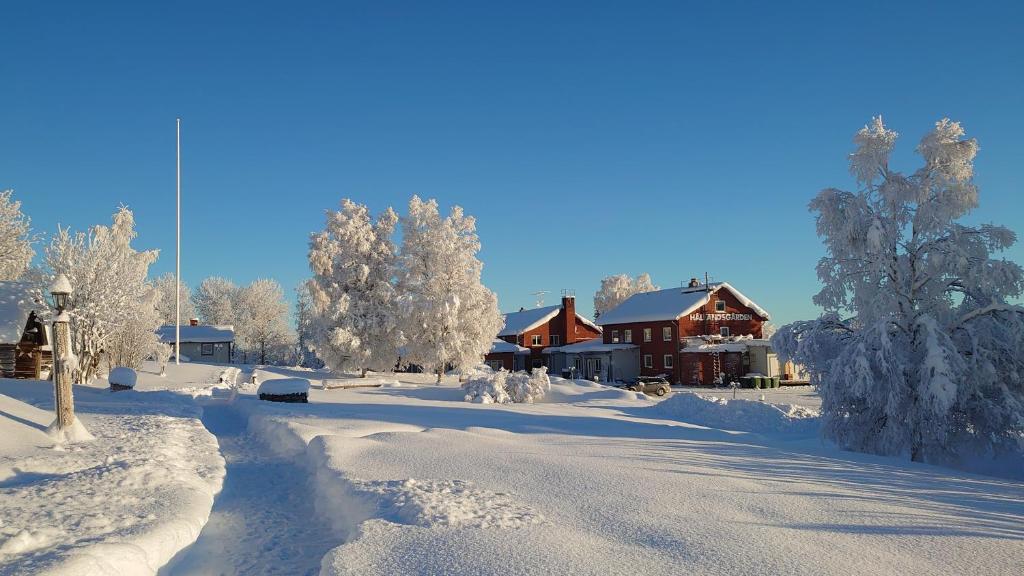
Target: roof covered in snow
column 197, row 334
column 525, row 320
column 518, row 322
column 595, row 345
column 671, row 304
column 283, row 386
column 502, row 347
column 16, row 303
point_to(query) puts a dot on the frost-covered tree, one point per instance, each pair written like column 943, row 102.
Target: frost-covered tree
column 261, row 323
column 215, row 301
column 15, row 238
column 165, row 303
column 355, row 320
column 305, row 319
column 616, row 289
column 109, row 304
column 136, row 340
column 448, row 317
column 919, row 351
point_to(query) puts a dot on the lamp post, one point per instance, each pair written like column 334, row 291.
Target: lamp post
column 63, row 402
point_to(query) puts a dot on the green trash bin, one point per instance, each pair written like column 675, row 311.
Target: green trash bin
column 776, row 381
column 758, row 381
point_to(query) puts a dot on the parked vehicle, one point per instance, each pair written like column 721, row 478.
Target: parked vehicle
column 657, row 385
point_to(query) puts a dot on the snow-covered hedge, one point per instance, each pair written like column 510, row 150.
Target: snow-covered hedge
column 504, row 387
column 741, row 415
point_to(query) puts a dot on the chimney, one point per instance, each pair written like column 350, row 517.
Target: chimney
column 193, row 322
column 569, row 314
column 694, row 283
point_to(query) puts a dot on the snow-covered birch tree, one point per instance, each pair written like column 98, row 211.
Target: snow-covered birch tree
column 215, row 301
column 261, row 325
column 354, row 321
column 110, row 289
column 616, row 289
column 165, row 302
column 15, row 238
column 919, row 351
column 449, row 318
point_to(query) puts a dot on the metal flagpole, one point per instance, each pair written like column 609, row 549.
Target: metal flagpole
column 177, row 264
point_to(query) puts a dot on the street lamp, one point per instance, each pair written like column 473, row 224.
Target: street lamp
column 63, row 402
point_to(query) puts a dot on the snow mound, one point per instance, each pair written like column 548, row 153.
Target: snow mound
column 451, row 503
column 123, row 377
column 741, row 415
column 581, row 391
column 283, row 386
column 73, row 434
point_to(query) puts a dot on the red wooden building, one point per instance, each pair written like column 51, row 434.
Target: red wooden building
column 691, row 335
column 538, row 328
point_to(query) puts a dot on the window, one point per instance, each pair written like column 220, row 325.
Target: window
column 666, row 333
column 720, row 306
column 615, row 336
column 648, row 361
column 667, row 361
column 207, row 350
column 537, row 339
column 496, row 364
column 627, row 336
column 556, row 340
column 647, row 334
column 724, row 330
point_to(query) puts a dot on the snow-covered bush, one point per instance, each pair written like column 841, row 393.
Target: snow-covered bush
column 919, row 351
column 162, row 354
column 503, row 387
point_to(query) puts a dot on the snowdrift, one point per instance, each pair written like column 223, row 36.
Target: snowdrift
column 740, row 415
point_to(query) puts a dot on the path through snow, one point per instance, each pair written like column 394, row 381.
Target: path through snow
column 263, row 521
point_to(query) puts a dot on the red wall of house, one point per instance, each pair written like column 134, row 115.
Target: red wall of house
column 565, row 325
column 506, row 358
column 685, row 326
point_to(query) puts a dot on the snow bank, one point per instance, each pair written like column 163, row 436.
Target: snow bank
column 741, row 415
column 125, row 503
column 122, row 376
column 283, row 386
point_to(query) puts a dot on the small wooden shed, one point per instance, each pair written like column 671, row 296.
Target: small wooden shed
column 25, row 350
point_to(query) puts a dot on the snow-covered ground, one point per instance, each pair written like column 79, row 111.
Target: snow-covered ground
column 123, row 503
column 407, row 478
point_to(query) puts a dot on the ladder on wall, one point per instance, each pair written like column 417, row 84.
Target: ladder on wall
column 716, row 367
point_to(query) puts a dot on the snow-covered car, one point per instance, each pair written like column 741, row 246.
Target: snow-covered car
column 657, row 385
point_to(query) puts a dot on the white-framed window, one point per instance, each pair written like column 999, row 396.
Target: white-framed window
column 556, row 340
column 648, row 361
column 667, row 361
column 206, row 350
column 538, row 339
column 719, row 305
column 666, row 333
column 647, row 334
column 496, row 364
column 627, row 336
column 615, row 336
column 724, row 330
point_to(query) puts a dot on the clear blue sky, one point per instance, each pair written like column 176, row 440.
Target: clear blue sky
column 588, row 138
